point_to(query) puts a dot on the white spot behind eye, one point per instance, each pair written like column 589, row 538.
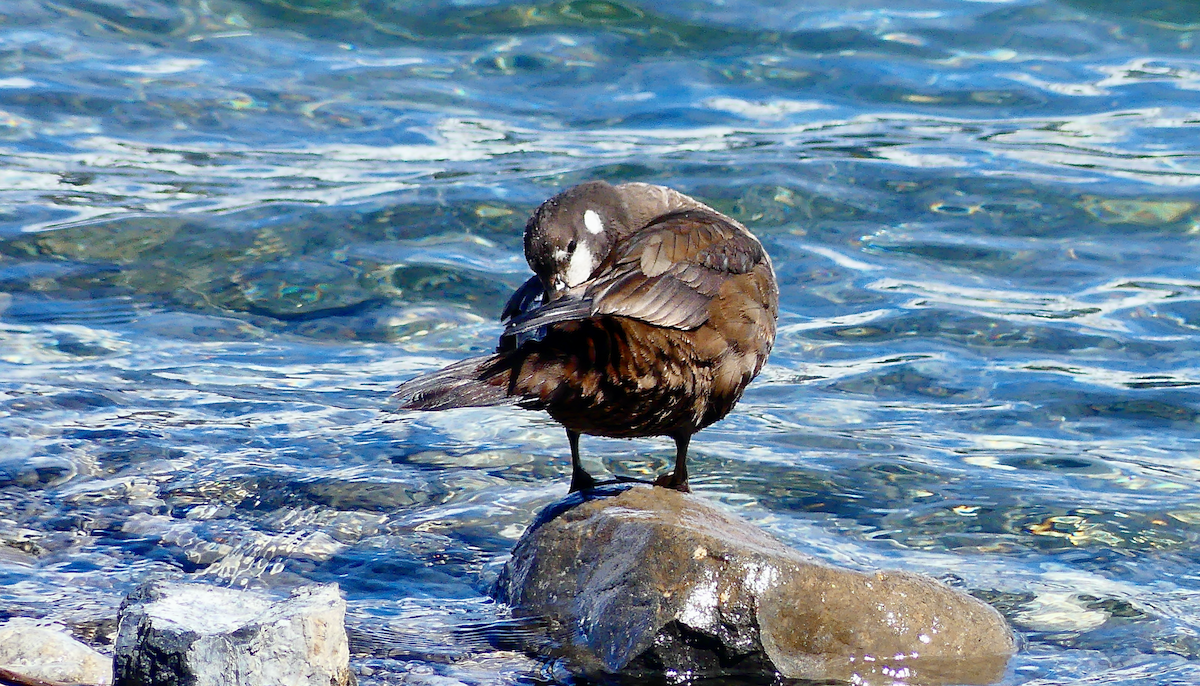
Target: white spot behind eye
column 581, row 266
column 593, row 222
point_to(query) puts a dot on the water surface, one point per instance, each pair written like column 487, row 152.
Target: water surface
column 229, row 227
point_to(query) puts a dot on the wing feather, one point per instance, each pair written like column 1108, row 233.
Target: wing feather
column 667, row 274
column 561, row 310
column 522, row 300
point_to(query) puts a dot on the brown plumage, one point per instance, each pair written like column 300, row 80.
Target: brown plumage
column 655, row 313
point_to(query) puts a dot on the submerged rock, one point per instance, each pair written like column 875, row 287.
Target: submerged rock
column 38, row 651
column 200, row 635
column 653, row 580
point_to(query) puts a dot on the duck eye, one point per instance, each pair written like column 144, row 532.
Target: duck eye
column 571, row 246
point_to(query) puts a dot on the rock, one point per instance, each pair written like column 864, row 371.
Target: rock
column 198, row 635
column 46, row 651
column 35, row 471
column 300, row 289
column 653, row 580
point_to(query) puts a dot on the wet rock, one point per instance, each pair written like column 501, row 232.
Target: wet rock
column 1135, row 211
column 652, row 580
column 301, row 289
column 35, row 471
column 200, row 635
column 139, row 15
column 47, row 652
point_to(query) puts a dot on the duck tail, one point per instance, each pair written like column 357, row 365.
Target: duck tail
column 474, row 382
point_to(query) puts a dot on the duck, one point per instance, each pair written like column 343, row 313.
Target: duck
column 648, row 314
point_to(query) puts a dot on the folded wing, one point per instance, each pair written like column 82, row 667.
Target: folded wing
column 666, row 274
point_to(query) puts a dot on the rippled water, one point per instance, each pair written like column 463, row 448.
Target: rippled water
column 229, row 227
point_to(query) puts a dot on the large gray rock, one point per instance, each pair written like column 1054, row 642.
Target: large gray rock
column 39, row 651
column 656, row 580
column 176, row 634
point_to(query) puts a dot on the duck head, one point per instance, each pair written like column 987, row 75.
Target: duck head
column 572, row 233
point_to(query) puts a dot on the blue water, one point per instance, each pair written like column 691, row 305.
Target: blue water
column 229, row 227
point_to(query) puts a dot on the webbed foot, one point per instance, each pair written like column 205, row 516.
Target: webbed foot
column 670, row 481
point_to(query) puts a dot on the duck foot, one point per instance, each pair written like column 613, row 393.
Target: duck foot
column 669, row 481
column 581, row 481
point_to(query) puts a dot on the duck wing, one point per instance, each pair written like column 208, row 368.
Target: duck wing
column 522, row 300
column 666, row 274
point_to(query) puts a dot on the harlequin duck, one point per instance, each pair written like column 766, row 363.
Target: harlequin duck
column 648, row 314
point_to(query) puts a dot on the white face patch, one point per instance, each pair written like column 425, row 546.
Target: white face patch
column 580, row 267
column 593, row 222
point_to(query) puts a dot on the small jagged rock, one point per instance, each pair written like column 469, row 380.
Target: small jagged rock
column 653, row 580
column 47, row 652
column 177, row 634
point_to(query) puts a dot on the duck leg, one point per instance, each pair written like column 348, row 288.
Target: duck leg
column 678, row 479
column 580, row 480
